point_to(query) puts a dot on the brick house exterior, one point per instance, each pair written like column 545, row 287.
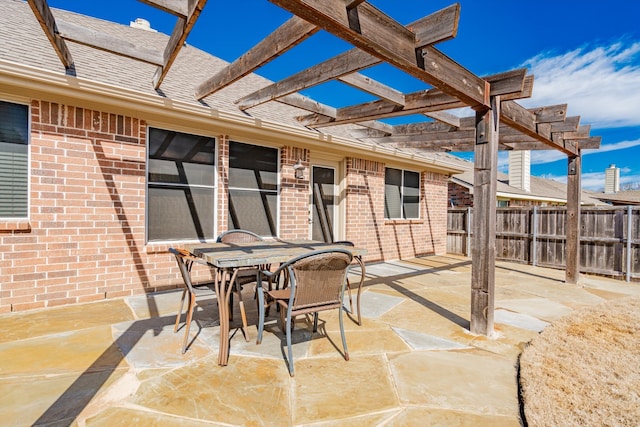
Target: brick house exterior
column 85, row 236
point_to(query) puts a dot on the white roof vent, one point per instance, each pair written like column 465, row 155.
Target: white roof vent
column 143, row 24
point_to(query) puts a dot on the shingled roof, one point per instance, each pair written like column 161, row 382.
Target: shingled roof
column 25, row 43
column 629, row 197
column 542, row 189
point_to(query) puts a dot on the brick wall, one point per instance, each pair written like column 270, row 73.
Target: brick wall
column 85, row 236
column 294, row 194
column 223, row 183
column 393, row 239
column 459, row 196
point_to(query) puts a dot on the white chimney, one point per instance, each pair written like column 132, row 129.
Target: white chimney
column 520, row 169
column 612, row 179
column 143, row 24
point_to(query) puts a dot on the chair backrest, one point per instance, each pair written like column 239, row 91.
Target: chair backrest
column 317, row 278
column 238, row 236
column 185, row 261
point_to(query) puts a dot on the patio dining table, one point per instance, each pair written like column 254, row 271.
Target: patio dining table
column 227, row 258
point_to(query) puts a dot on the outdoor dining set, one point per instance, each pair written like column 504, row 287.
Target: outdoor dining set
column 297, row 277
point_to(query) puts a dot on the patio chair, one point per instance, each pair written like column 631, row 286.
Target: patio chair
column 244, row 275
column 185, row 261
column 316, row 282
column 350, row 243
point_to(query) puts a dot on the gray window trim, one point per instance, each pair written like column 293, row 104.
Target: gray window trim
column 402, row 194
column 214, row 188
column 28, row 144
column 275, row 191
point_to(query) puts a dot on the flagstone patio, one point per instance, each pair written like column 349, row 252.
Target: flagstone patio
column 412, row 362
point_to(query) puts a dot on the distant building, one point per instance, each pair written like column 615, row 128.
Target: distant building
column 518, row 188
column 612, row 180
column 621, row 198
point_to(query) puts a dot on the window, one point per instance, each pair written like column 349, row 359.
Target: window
column 253, row 188
column 181, row 188
column 14, row 160
column 401, row 194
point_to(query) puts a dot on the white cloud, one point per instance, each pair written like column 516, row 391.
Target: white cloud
column 539, row 157
column 612, row 147
column 599, row 83
column 595, row 180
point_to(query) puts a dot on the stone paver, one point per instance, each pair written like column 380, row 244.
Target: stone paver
column 413, row 361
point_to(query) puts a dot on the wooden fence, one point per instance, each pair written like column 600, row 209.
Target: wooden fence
column 536, row 235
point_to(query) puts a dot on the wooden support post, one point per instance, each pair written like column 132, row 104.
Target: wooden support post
column 534, row 237
column 483, row 250
column 572, row 255
column 629, row 239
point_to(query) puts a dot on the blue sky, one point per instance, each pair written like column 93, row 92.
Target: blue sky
column 584, row 54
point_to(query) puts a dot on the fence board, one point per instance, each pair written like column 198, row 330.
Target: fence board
column 604, row 237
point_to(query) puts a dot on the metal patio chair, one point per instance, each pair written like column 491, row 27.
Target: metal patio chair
column 244, row 275
column 360, row 262
column 316, row 282
column 185, row 261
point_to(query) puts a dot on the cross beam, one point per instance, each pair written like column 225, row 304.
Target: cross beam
column 437, row 27
column 44, row 16
column 371, row 31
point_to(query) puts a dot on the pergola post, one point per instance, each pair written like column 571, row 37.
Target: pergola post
column 572, row 255
column 483, row 249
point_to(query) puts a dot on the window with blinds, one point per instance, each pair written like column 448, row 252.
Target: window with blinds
column 181, row 186
column 253, row 188
column 14, row 160
column 401, row 194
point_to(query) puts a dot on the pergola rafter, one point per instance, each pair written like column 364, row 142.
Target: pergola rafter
column 288, row 35
column 57, row 31
column 512, row 83
column 437, row 27
column 499, row 122
column 44, row 16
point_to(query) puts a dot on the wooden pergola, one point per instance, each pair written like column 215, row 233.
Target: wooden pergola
column 499, row 121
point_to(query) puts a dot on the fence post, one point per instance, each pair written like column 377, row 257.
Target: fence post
column 629, row 235
column 534, row 244
column 468, row 251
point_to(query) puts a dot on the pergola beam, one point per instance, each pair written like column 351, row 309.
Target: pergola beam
column 525, row 121
column 550, row 113
column 177, row 39
column 308, row 104
column 178, row 8
column 591, row 143
column 422, row 140
column 46, row 20
column 350, row 4
column 288, row 35
column 338, row 66
column 373, row 87
column 444, row 117
column 377, row 126
column 370, row 30
column 108, row 43
column 415, row 103
column 443, row 25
